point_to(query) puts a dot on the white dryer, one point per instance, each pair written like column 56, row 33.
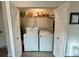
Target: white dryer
column 46, row 41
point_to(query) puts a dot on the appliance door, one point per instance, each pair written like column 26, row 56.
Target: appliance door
column 46, row 43
column 31, row 43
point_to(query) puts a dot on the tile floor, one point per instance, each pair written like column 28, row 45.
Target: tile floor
column 37, row 54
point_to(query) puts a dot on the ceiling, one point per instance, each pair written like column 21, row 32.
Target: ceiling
column 52, row 4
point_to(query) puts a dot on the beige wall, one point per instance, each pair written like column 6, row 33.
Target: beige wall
column 74, row 6
column 41, row 22
column 37, row 3
column 2, row 35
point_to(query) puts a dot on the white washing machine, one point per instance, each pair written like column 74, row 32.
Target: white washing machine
column 31, row 39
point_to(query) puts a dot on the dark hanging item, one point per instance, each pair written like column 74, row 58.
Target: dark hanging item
column 22, row 13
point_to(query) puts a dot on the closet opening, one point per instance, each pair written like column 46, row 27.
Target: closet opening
column 37, row 31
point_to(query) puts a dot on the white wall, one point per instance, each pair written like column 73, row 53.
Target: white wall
column 2, row 35
column 61, row 23
column 73, row 33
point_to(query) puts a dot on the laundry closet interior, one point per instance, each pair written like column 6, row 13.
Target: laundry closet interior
column 37, row 29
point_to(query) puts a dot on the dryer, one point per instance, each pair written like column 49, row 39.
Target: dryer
column 46, row 41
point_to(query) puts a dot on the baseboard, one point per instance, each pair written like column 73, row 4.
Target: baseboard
column 37, row 51
column 71, row 56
